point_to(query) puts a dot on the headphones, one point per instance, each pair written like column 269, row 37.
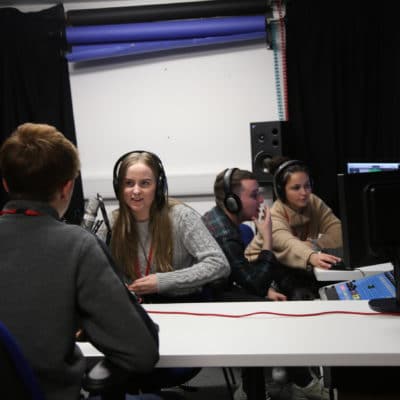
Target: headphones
column 161, row 184
column 232, row 201
column 279, row 186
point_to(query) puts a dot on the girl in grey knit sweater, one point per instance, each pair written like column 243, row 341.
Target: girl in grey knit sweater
column 161, row 244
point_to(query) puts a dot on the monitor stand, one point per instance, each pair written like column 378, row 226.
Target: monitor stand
column 390, row 305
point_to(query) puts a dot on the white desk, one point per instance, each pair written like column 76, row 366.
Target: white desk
column 266, row 340
column 336, row 275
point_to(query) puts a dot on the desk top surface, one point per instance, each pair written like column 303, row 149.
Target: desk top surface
column 264, row 339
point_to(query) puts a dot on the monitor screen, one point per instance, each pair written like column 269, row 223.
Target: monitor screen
column 369, row 211
column 361, row 167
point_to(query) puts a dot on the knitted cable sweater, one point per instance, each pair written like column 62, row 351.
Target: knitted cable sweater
column 197, row 257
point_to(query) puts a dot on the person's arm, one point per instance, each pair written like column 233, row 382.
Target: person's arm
column 194, row 242
column 264, row 228
column 330, row 228
column 108, row 317
column 294, row 252
column 322, row 260
column 263, row 238
column 274, row 295
column 289, row 249
column 255, row 276
column 329, row 235
column 253, row 249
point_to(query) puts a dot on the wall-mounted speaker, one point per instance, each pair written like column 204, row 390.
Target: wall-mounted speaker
column 266, row 142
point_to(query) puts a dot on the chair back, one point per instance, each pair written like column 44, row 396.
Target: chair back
column 18, row 380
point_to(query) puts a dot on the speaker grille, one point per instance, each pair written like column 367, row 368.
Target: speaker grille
column 266, row 142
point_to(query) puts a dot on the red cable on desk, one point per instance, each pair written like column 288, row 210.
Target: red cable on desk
column 198, row 314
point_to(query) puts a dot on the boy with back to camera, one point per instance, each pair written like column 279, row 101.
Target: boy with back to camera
column 54, row 276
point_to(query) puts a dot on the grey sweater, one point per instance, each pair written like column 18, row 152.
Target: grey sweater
column 55, row 278
column 197, row 257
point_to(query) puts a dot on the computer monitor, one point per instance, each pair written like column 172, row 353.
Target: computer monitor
column 369, row 211
column 361, row 167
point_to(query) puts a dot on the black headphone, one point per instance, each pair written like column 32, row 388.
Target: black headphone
column 279, row 186
column 232, row 201
column 161, row 184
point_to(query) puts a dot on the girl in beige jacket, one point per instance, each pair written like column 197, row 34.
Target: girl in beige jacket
column 302, row 224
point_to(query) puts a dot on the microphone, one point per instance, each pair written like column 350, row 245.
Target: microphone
column 90, row 214
column 105, row 218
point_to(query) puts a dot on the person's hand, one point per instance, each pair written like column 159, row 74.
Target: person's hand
column 80, row 335
column 146, row 285
column 272, row 294
column 323, row 260
column 264, row 226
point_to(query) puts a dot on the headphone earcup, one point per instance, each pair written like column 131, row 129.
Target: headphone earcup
column 115, row 186
column 161, row 189
column 279, row 191
column 232, row 203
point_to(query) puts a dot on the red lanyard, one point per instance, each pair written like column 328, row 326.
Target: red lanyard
column 148, row 264
column 25, row 211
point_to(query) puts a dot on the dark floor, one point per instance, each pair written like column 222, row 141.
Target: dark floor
column 209, row 384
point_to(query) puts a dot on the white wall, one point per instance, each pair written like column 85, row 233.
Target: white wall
column 191, row 108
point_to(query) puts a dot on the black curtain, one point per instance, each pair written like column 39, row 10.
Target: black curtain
column 34, row 80
column 343, row 63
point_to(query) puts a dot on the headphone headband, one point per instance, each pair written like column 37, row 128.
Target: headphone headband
column 161, row 184
column 287, row 164
column 232, row 202
column 119, row 161
column 228, row 179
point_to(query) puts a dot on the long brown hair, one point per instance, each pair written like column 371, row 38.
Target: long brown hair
column 124, row 241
